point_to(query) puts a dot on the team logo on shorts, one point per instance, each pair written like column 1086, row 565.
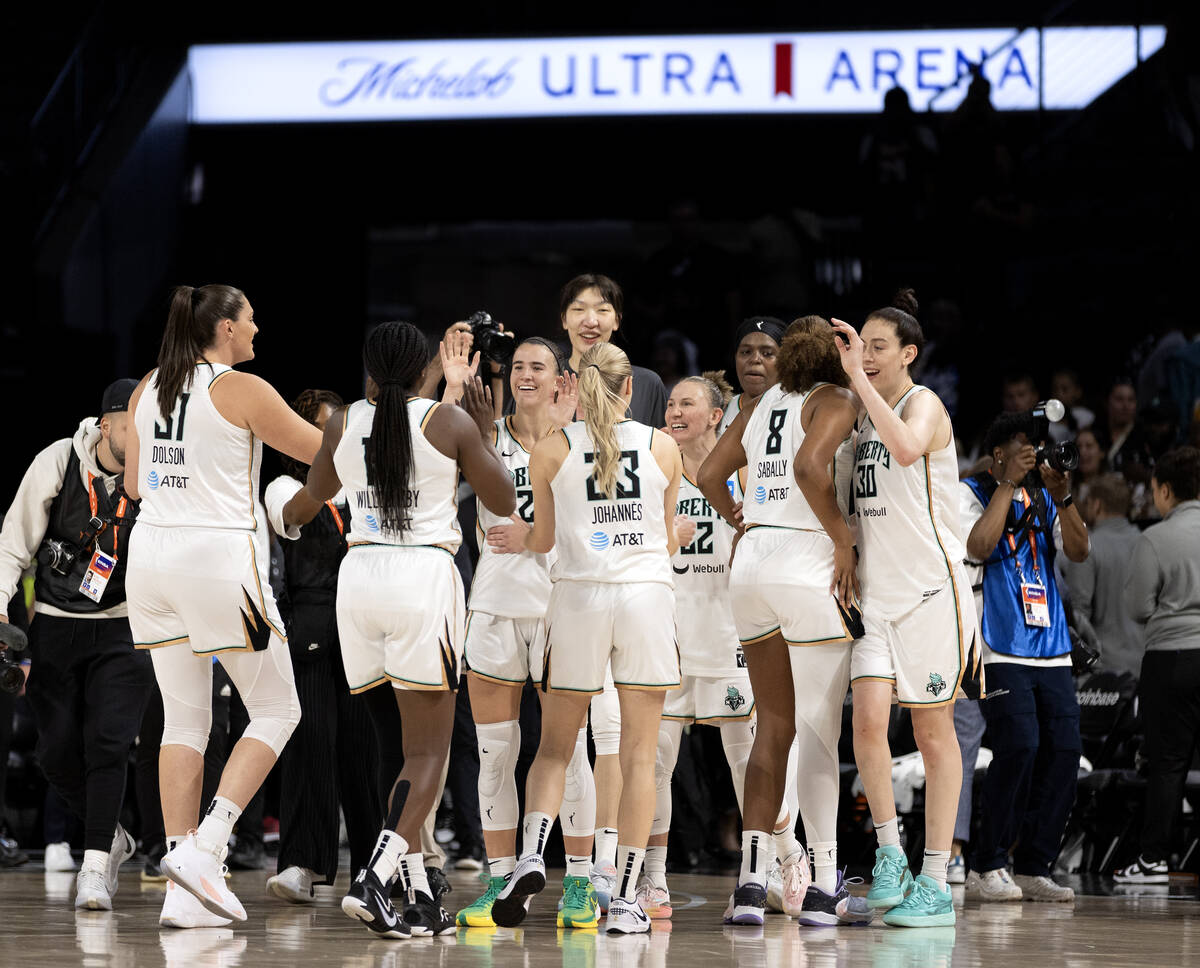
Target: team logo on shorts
column 371, row 522
column 598, row 541
column 152, row 480
column 760, row 494
column 936, row 685
column 734, row 699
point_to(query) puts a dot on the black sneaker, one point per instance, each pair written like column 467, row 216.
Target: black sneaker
column 437, row 883
column 426, row 918
column 247, row 855
column 512, row 903
column 746, row 905
column 151, row 873
column 840, row 907
column 11, row 854
column 367, row 901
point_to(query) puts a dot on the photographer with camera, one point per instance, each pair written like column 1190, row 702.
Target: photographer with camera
column 87, row 685
column 1021, row 513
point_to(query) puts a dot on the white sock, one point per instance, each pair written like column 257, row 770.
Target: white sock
column 578, row 866
column 218, row 822
column 606, row 845
column 629, row 867
column 94, row 860
column 502, row 866
column 656, row 866
column 385, row 859
column 824, row 855
column 786, row 843
column 888, row 833
column 534, row 833
column 412, row 874
column 933, row 865
column 758, row 850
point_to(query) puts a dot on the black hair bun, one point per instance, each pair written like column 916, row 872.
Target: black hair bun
column 906, row 299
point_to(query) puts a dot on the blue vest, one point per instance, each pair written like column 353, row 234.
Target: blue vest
column 1003, row 623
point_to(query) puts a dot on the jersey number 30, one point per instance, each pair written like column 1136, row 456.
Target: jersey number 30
column 866, row 481
column 629, row 464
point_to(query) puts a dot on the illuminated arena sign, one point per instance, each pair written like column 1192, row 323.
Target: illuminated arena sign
column 1055, row 68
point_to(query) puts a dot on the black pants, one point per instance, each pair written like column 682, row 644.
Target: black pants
column 330, row 757
column 1169, row 699
column 1033, row 731
column 87, row 688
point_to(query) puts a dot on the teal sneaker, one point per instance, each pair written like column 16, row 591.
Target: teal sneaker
column 579, row 907
column 890, row 878
column 478, row 914
column 927, row 906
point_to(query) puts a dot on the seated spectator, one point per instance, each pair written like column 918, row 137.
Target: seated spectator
column 1097, row 584
column 1164, row 593
column 1092, row 463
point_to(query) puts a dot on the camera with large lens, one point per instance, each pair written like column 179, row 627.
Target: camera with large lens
column 492, row 342
column 12, row 677
column 61, row 555
column 1063, row 457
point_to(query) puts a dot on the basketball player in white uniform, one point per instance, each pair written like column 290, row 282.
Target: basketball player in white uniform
column 756, row 348
column 604, row 492
column 793, row 589
column 920, row 620
column 715, row 687
column 400, row 600
column 197, row 578
column 505, row 642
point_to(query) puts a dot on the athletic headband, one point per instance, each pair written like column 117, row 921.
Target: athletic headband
column 767, row 325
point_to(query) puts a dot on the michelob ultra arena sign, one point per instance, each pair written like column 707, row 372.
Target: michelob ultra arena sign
column 1053, row 68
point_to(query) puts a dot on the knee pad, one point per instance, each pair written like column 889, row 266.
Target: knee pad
column 273, row 718
column 606, row 723
column 193, row 735
column 737, row 739
column 578, row 814
column 667, row 754
column 499, row 747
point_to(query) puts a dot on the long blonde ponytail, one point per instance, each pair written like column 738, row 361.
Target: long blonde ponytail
column 602, row 373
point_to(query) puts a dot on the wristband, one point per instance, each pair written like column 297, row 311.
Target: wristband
column 1066, row 502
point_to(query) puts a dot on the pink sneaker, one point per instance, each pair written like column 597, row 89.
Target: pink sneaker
column 797, row 876
column 655, row 901
column 198, row 868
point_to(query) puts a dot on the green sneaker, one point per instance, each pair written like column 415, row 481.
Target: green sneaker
column 478, row 914
column 579, row 908
column 927, row 906
column 891, row 880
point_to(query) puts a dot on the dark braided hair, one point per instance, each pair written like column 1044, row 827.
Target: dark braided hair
column 394, row 355
column 308, row 405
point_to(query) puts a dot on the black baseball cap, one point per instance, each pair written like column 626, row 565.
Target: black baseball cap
column 116, row 396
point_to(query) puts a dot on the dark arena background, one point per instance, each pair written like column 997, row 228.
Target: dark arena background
column 1039, row 192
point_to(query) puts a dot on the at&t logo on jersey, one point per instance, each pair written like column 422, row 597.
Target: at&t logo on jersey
column 598, row 541
column 152, row 480
column 371, row 523
column 760, row 494
column 177, row 481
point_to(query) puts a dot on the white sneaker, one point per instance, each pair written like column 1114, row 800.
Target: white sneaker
column 994, row 885
column 91, row 891
column 626, row 917
column 182, row 910
column 604, row 880
column 1038, row 888
column 294, row 884
column 121, row 850
column 956, row 870
column 58, row 857
column 198, row 867
column 211, row 948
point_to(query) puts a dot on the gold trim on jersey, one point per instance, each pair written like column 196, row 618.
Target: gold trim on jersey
column 218, row 376
column 262, row 602
column 755, row 639
column 162, row 643
column 428, row 414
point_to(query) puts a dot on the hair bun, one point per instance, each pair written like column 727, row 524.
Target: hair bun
column 906, row 300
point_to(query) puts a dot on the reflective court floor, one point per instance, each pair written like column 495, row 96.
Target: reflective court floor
column 39, row 927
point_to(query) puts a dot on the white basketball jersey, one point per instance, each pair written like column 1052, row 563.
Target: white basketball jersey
column 512, row 586
column 731, row 412
column 618, row 540
column 908, row 522
column 432, row 489
column 708, row 641
column 772, row 438
column 197, row 469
